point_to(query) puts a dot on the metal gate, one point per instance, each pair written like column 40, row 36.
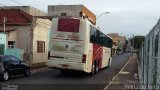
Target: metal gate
column 149, row 61
column 2, row 47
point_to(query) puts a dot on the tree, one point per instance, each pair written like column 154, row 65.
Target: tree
column 137, row 41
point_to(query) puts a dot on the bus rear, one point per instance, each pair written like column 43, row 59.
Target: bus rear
column 68, row 43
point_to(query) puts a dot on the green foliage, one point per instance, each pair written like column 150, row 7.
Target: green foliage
column 137, row 41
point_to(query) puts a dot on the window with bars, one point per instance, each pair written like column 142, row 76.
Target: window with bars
column 11, row 44
column 63, row 14
column 40, row 46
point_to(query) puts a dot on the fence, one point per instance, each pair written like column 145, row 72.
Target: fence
column 149, row 58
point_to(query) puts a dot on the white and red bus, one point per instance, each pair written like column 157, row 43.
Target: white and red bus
column 76, row 44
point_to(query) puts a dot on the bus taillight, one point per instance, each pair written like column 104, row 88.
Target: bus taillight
column 84, row 58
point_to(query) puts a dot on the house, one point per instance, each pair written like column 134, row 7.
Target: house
column 28, row 9
column 119, row 42
column 79, row 11
column 26, row 32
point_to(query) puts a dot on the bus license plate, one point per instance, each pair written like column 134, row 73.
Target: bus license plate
column 65, row 65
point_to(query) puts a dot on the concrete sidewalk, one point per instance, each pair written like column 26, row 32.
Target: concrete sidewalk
column 39, row 69
column 127, row 78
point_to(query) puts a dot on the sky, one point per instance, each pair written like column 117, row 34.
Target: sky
column 126, row 17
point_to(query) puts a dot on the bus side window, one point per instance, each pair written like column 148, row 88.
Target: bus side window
column 92, row 34
column 105, row 42
column 97, row 41
column 102, row 39
column 109, row 42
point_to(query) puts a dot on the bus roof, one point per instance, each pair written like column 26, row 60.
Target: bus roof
column 80, row 18
column 109, row 36
column 100, row 30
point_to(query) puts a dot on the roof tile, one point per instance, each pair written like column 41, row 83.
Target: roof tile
column 15, row 17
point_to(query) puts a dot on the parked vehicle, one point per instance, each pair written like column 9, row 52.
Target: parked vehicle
column 76, row 44
column 119, row 51
column 120, row 48
column 11, row 66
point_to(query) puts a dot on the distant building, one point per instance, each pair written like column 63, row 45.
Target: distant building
column 119, row 41
column 71, row 10
column 28, row 9
column 28, row 33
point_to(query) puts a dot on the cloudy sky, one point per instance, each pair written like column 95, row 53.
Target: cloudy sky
column 126, row 16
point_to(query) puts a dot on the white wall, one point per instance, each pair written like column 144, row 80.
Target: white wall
column 40, row 33
column 19, row 35
column 71, row 10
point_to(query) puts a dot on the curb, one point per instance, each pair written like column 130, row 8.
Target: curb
column 36, row 70
column 107, row 86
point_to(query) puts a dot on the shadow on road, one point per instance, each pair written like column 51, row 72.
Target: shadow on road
column 72, row 74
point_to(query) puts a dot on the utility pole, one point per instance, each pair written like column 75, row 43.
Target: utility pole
column 4, row 22
column 133, row 46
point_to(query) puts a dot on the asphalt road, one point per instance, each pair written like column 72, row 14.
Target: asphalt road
column 53, row 80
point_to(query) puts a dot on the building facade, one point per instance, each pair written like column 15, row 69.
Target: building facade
column 119, row 42
column 71, row 10
column 27, row 33
column 28, row 9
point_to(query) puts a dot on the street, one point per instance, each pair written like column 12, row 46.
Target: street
column 73, row 80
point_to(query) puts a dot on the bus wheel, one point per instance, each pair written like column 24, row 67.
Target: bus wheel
column 96, row 68
column 108, row 64
column 93, row 69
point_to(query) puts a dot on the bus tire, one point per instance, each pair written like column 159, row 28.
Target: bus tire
column 96, row 67
column 93, row 69
column 108, row 64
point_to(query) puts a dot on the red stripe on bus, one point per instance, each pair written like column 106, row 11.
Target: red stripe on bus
column 98, row 53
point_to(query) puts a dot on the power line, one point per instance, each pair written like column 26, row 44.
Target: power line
column 16, row 2
column 2, row 4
